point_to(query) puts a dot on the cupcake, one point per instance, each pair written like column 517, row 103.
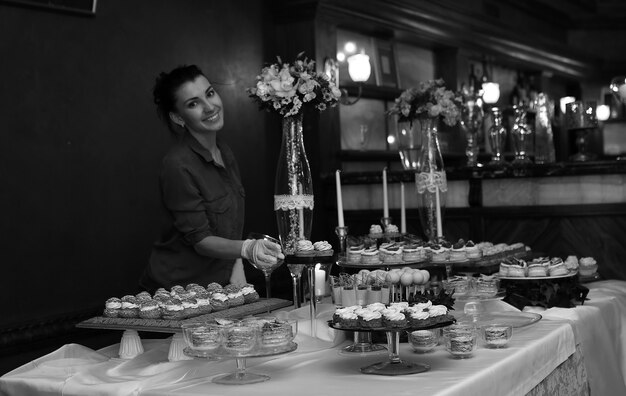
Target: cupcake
column 214, row 287
column 457, row 252
column 348, row 319
column 354, row 254
column 439, row 314
column 472, row 251
column 392, row 231
column 370, row 256
column 376, row 231
column 250, row 295
column 411, row 253
column 112, row 307
column 204, row 302
column 304, row 248
column 557, row 269
column 235, row 299
column 370, row 319
column 149, row 309
column 418, row 318
column 177, row 290
column 440, row 253
column 173, row 309
column 394, row 319
column 143, row 296
column 391, row 254
column 219, row 301
column 130, row 307
column 190, row 307
column 587, row 266
column 535, row 270
column 323, row 248
column 571, row 262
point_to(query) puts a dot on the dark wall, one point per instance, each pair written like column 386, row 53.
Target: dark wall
column 80, row 143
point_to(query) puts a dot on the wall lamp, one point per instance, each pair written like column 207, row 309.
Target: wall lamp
column 618, row 88
column 359, row 69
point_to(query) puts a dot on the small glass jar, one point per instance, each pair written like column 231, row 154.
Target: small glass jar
column 496, row 335
column 460, row 340
column 240, row 339
column 201, row 337
column 424, row 341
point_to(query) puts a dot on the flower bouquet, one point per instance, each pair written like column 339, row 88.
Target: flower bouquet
column 431, row 99
column 285, row 88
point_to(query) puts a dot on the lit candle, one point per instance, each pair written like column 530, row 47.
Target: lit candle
column 340, row 222
column 385, row 197
column 402, row 210
column 320, row 281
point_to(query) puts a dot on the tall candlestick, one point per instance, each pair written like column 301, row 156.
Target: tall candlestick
column 385, row 197
column 340, row 222
column 300, row 216
column 402, row 210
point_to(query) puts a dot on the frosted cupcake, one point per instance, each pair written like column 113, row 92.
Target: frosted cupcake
column 370, row 319
column 376, row 231
column 323, row 248
column 392, row 231
column 304, row 248
column 587, row 266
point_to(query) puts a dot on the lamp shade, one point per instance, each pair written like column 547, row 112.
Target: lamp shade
column 618, row 88
column 491, row 92
column 359, row 67
column 564, row 101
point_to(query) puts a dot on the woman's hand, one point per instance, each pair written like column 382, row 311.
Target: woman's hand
column 238, row 276
column 261, row 251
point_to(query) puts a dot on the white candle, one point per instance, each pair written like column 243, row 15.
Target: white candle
column 300, row 216
column 340, row 222
column 439, row 231
column 402, row 210
column 320, row 281
column 385, row 197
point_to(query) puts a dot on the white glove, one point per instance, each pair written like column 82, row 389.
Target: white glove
column 260, row 251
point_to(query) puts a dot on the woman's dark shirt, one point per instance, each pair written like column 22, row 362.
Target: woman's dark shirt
column 200, row 198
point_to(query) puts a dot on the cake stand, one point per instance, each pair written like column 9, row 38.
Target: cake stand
column 395, row 365
column 241, row 376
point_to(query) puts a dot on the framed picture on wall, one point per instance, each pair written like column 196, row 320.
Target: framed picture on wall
column 83, row 7
column 387, row 72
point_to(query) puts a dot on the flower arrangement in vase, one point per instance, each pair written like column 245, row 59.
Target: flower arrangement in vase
column 287, row 89
column 425, row 106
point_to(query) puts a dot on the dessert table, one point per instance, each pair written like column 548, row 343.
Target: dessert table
column 582, row 342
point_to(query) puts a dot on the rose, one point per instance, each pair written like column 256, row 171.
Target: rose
column 283, row 85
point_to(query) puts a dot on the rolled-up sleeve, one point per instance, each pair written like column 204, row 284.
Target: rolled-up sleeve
column 185, row 202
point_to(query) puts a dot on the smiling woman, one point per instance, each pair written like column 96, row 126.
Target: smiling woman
column 202, row 195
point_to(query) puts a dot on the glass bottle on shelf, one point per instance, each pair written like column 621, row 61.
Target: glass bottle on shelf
column 544, row 136
column 497, row 137
column 522, row 135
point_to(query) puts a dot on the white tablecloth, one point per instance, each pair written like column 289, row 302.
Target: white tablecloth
column 600, row 329
column 317, row 367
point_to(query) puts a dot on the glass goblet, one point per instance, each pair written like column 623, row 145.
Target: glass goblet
column 296, row 276
column 266, row 267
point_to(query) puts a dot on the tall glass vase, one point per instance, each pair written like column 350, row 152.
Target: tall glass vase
column 430, row 181
column 409, row 140
column 293, row 188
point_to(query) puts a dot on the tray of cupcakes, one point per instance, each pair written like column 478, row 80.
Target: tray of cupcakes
column 391, row 249
column 167, row 310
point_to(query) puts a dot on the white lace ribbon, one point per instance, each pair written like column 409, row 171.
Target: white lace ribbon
column 431, row 181
column 290, row 202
